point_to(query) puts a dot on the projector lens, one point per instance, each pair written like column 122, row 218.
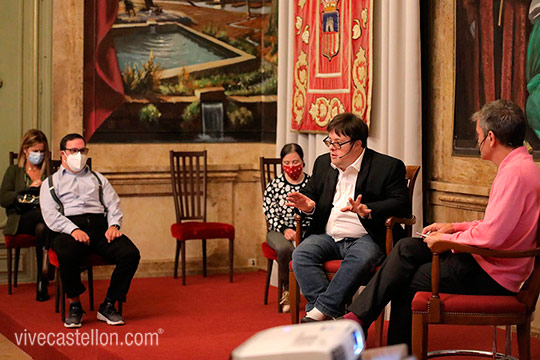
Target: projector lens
column 358, row 340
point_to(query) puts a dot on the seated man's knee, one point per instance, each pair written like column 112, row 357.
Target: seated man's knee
column 407, row 244
column 132, row 255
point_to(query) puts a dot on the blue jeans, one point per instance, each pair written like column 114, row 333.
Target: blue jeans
column 360, row 257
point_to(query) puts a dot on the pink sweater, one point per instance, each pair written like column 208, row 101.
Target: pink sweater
column 510, row 220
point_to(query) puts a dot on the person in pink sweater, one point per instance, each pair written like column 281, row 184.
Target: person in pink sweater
column 510, row 223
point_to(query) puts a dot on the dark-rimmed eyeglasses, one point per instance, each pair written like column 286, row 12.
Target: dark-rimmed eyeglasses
column 335, row 144
column 479, row 144
column 74, row 151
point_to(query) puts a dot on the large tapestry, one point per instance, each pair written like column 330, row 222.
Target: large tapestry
column 332, row 62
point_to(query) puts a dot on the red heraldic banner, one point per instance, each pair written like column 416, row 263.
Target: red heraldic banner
column 332, row 62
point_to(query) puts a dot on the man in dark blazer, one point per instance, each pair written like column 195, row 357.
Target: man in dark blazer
column 352, row 191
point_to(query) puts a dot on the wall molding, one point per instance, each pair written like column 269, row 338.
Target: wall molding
column 157, row 181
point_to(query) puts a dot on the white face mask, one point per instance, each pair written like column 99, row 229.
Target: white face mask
column 76, row 162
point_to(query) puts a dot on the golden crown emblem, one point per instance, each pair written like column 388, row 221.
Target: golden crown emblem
column 330, row 5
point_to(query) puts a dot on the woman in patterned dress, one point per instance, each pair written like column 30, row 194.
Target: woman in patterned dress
column 280, row 218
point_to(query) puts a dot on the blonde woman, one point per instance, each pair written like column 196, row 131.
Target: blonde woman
column 19, row 195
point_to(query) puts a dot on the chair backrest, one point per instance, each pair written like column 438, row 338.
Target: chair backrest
column 13, row 158
column 411, row 175
column 528, row 294
column 270, row 169
column 189, row 183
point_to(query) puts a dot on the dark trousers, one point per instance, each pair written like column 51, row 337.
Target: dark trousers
column 71, row 254
column 31, row 223
column 408, row 270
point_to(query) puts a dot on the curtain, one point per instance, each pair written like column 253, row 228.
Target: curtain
column 103, row 87
column 396, row 125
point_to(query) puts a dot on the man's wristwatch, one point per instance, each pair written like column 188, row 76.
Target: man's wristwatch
column 116, row 226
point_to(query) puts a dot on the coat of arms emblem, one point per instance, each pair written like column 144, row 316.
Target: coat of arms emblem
column 330, row 28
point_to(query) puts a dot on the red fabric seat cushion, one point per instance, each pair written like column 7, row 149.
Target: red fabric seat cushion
column 479, row 304
column 332, row 266
column 53, row 258
column 268, row 252
column 20, row 241
column 201, row 230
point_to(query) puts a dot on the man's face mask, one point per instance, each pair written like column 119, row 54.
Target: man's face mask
column 76, row 162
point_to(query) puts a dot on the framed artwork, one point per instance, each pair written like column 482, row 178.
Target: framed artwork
column 493, row 61
column 180, row 71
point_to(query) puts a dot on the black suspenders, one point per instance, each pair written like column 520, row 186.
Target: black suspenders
column 55, row 197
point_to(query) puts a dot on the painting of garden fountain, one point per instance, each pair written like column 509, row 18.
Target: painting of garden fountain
column 195, row 71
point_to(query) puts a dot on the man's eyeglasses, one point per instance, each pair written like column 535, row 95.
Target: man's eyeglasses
column 479, row 144
column 74, row 151
column 335, row 144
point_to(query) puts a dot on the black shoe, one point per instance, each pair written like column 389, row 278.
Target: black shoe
column 306, row 319
column 41, row 291
column 108, row 313
column 74, row 319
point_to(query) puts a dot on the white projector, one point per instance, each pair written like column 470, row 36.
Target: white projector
column 325, row 340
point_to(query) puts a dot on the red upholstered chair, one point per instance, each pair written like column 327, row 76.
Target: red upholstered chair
column 331, row 267
column 269, row 171
column 90, row 262
column 189, row 185
column 447, row 309
column 16, row 242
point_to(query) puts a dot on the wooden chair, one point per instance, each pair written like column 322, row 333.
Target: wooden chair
column 16, row 243
column 189, row 187
column 269, row 171
column 451, row 309
column 91, row 261
column 331, row 267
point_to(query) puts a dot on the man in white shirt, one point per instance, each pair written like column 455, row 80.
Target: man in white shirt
column 352, row 191
column 81, row 207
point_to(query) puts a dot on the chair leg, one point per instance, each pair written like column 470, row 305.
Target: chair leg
column 120, row 307
column 58, row 292
column 231, row 259
column 204, row 257
column 62, row 299
column 176, row 259
column 16, row 267
column 524, row 340
column 268, row 275
column 379, row 327
column 280, row 292
column 508, row 341
column 294, row 298
column 91, row 287
column 9, row 268
column 183, row 250
column 419, row 337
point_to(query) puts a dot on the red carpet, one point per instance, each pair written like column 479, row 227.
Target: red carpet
column 206, row 319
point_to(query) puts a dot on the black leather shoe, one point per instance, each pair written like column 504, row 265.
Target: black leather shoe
column 307, row 319
column 41, row 291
